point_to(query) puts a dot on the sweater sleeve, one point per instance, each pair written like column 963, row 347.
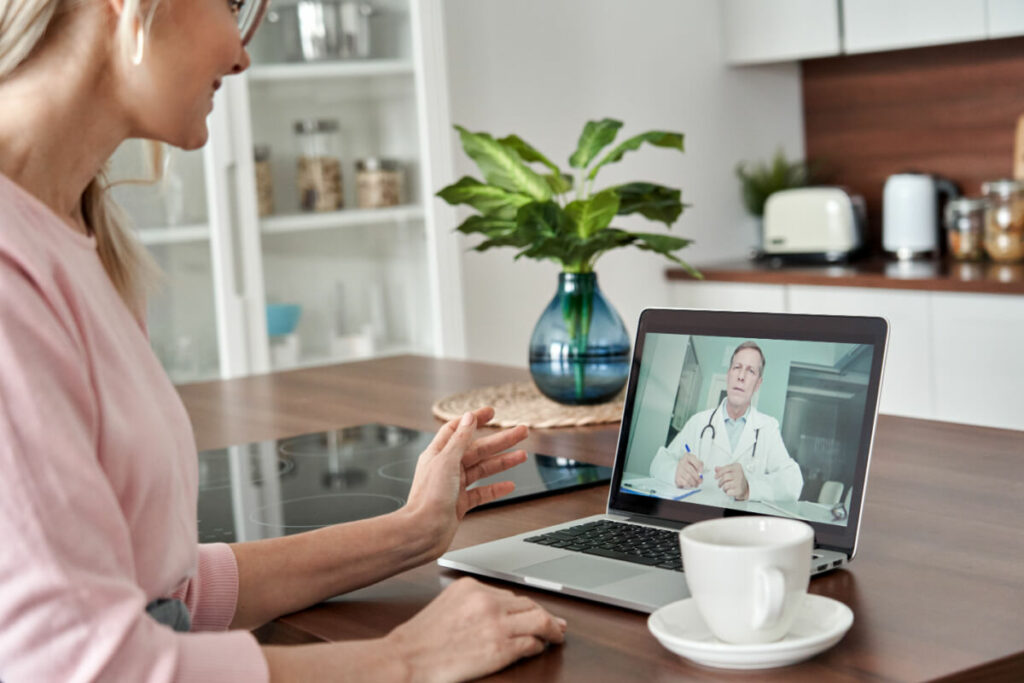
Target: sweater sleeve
column 212, row 594
column 70, row 607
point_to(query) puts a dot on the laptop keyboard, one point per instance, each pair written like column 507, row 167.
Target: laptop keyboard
column 620, row 541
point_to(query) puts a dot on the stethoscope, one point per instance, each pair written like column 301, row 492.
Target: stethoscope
column 700, row 439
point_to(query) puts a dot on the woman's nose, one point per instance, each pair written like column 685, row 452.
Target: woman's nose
column 243, row 63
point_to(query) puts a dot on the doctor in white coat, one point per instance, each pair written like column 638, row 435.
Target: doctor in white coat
column 733, row 446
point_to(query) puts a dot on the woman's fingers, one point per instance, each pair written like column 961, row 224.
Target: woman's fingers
column 538, row 623
column 494, row 443
column 494, row 464
column 460, row 440
column 527, row 646
column 485, row 494
column 440, row 440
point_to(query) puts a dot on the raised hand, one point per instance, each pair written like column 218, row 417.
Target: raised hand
column 439, row 497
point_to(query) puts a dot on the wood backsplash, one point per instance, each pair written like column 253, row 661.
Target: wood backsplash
column 950, row 110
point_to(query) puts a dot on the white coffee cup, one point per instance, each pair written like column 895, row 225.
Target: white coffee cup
column 748, row 575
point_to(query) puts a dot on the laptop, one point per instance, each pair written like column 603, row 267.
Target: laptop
column 791, row 399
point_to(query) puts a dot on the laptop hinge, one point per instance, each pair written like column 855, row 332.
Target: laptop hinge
column 641, row 519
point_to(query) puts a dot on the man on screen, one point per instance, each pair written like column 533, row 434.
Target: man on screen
column 733, row 446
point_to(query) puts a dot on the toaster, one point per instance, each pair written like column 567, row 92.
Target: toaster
column 813, row 224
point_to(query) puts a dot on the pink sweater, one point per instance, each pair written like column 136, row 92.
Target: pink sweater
column 98, row 481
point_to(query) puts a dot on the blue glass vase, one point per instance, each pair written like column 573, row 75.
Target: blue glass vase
column 579, row 351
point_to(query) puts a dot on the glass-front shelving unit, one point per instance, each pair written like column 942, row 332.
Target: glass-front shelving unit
column 369, row 281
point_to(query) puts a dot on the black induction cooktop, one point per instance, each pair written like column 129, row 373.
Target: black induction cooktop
column 276, row 488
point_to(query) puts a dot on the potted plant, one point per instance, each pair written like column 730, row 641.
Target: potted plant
column 760, row 181
column 579, row 350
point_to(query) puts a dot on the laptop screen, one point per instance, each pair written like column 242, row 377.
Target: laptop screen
column 776, row 421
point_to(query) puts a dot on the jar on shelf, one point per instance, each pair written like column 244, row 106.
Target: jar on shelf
column 319, row 168
column 264, row 182
column 965, row 228
column 379, row 183
column 1004, row 220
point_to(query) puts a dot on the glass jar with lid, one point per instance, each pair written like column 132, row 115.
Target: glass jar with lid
column 965, row 227
column 379, row 183
column 319, row 165
column 1004, row 220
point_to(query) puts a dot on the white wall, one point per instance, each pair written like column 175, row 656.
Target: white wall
column 542, row 68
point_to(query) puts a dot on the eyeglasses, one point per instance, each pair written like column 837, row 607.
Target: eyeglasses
column 250, row 14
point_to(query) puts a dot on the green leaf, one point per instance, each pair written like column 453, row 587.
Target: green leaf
column 502, row 166
column 595, row 213
column 596, row 136
column 559, row 184
column 514, row 240
column 487, row 199
column 665, row 245
column 605, row 240
column 544, row 219
column 487, row 225
column 527, row 152
column 656, row 202
column 655, row 137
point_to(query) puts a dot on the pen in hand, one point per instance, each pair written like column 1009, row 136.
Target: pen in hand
column 687, row 447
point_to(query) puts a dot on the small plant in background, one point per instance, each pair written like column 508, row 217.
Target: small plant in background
column 759, row 181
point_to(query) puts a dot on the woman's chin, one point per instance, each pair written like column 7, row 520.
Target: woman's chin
column 194, row 140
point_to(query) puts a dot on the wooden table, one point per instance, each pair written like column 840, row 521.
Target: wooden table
column 937, row 587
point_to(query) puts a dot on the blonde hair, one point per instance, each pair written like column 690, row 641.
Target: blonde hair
column 132, row 270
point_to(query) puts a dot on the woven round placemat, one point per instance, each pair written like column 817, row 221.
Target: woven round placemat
column 520, row 403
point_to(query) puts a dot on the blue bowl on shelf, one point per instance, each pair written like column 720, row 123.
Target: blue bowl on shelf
column 282, row 318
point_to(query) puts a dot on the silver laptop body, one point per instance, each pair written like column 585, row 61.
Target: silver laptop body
column 821, row 375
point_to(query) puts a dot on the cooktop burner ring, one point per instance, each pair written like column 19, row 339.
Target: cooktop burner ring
column 285, row 464
column 384, row 470
column 256, row 516
column 361, row 440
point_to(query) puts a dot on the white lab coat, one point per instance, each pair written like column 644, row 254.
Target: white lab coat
column 771, row 474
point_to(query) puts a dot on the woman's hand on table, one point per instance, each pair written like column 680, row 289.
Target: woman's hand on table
column 439, row 498
column 471, row 630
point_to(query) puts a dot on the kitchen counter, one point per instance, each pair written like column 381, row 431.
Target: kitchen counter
column 935, row 276
column 932, row 588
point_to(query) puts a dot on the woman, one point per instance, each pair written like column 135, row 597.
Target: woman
column 98, row 486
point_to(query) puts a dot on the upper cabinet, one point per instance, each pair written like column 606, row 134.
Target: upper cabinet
column 1005, row 18
column 781, row 30
column 876, row 25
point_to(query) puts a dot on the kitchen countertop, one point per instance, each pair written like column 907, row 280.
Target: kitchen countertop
column 932, row 587
column 925, row 275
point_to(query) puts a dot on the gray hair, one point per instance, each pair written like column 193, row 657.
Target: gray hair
column 750, row 345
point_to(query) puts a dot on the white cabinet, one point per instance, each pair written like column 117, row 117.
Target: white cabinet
column 755, row 31
column 978, row 356
column 873, row 25
column 951, row 356
column 907, row 385
column 1005, row 18
column 729, row 296
column 369, row 281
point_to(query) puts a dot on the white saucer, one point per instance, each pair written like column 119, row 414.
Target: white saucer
column 819, row 625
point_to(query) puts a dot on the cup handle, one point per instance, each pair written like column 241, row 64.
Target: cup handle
column 769, row 596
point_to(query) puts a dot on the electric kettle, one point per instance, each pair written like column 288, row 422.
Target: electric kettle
column 910, row 213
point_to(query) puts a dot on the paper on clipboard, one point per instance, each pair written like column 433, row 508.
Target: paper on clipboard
column 648, row 486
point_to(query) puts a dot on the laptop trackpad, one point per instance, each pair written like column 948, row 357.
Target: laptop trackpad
column 580, row 570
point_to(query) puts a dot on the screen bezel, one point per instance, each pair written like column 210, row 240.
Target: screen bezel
column 781, row 326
